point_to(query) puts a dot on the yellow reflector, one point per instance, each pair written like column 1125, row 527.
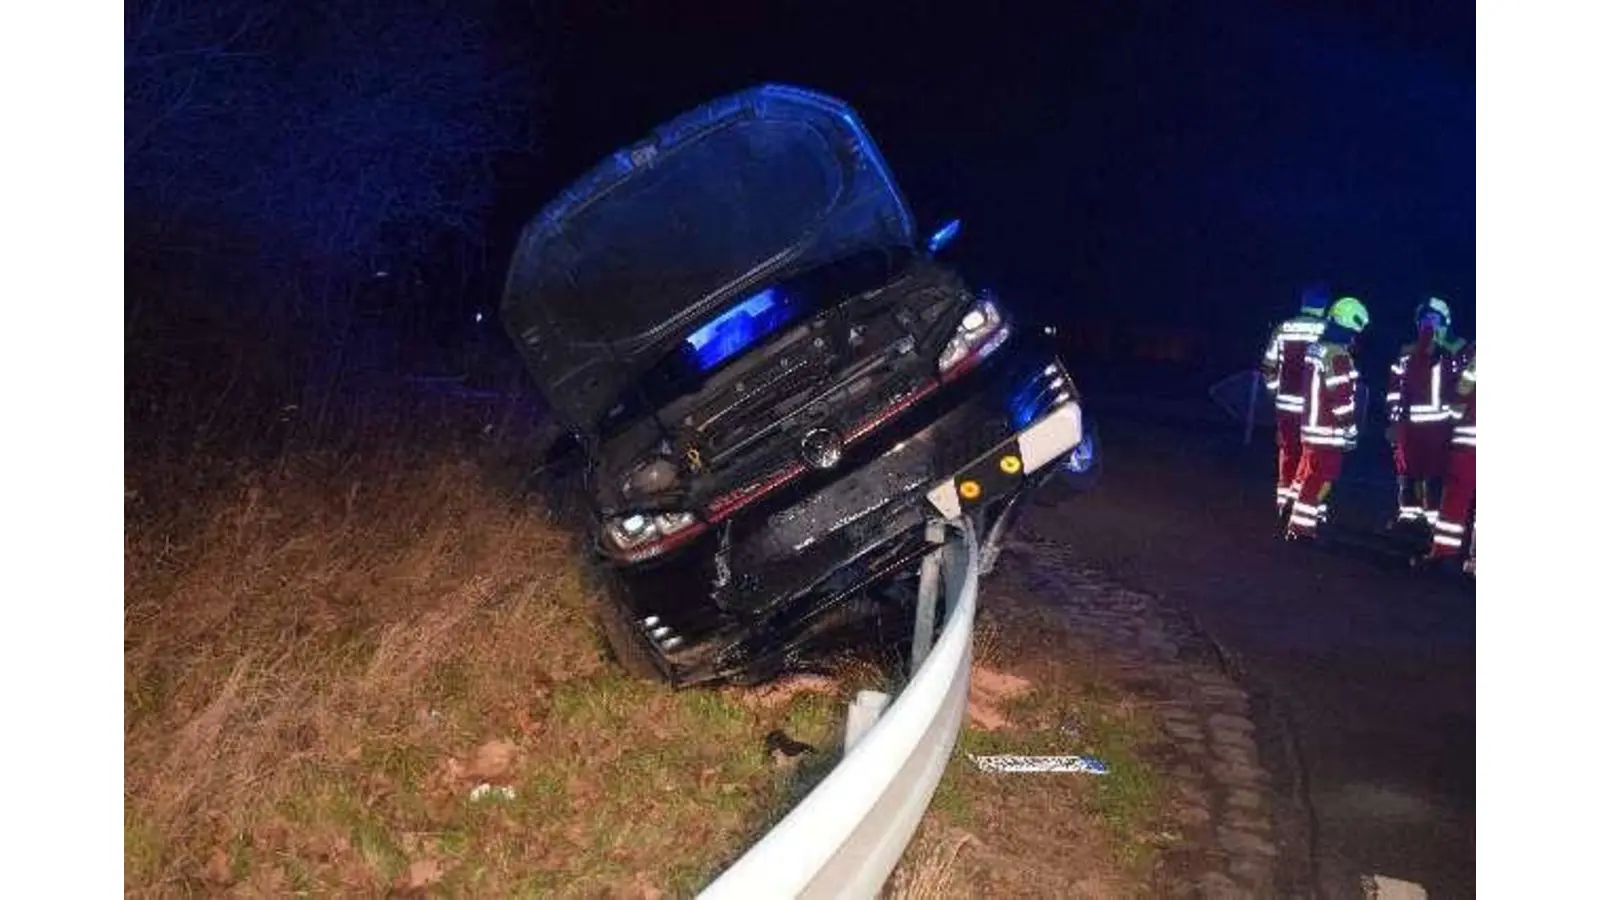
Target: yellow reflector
column 1010, row 464
column 970, row 490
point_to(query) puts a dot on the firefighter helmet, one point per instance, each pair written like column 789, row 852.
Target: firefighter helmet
column 1314, row 300
column 1437, row 307
column 1348, row 312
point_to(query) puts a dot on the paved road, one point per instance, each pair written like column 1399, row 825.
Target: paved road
column 1365, row 667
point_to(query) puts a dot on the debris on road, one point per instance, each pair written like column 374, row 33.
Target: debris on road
column 785, row 751
column 780, row 744
column 1069, row 764
column 1381, row 887
column 499, row 792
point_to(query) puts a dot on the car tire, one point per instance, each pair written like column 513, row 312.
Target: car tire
column 1080, row 470
column 627, row 645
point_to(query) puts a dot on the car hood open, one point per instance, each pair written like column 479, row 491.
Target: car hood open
column 754, row 187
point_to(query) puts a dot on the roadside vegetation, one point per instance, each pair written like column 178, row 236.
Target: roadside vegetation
column 357, row 650
column 372, row 668
column 1038, row 834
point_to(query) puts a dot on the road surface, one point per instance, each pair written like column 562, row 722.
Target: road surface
column 1364, row 667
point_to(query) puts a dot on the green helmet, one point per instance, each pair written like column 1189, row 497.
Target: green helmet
column 1348, row 312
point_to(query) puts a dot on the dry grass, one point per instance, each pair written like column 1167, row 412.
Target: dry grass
column 323, row 661
column 929, row 872
column 1037, row 835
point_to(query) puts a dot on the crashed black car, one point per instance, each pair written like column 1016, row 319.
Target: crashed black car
column 774, row 385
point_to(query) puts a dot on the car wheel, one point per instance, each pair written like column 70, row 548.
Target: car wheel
column 1080, row 469
column 626, row 644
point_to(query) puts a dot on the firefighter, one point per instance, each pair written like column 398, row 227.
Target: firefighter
column 1283, row 369
column 1420, row 380
column 1328, row 427
column 1455, row 531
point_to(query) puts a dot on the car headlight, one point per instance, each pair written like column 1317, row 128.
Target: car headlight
column 983, row 328
column 639, row 536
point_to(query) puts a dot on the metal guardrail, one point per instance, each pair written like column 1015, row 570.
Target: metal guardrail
column 845, row 838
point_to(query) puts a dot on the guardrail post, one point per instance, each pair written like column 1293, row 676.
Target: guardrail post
column 845, row 837
column 955, row 557
column 927, row 598
column 864, row 713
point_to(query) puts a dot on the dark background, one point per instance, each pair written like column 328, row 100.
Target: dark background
column 1160, row 177
column 1186, row 166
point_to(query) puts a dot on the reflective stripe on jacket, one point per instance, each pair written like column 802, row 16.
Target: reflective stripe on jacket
column 1420, row 389
column 1465, row 407
column 1283, row 363
column 1330, row 415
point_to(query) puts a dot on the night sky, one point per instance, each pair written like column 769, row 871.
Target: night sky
column 1185, row 166
column 1177, row 169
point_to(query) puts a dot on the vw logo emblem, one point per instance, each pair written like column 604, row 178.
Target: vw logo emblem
column 821, row 448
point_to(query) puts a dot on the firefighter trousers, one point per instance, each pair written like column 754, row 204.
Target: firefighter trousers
column 1313, row 482
column 1421, row 455
column 1289, row 449
column 1454, row 530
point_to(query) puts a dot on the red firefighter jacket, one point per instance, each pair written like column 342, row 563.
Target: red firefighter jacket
column 1465, row 407
column 1422, row 380
column 1283, row 363
column 1330, row 414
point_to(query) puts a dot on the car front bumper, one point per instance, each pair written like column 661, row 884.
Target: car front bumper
column 1000, row 471
column 756, row 586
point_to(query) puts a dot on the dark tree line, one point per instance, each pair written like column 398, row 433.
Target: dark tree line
column 309, row 187
column 331, row 135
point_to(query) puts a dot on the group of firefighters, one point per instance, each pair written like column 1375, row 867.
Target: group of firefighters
column 1432, row 431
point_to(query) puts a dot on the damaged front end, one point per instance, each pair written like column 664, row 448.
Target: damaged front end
column 826, row 559
column 777, row 389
